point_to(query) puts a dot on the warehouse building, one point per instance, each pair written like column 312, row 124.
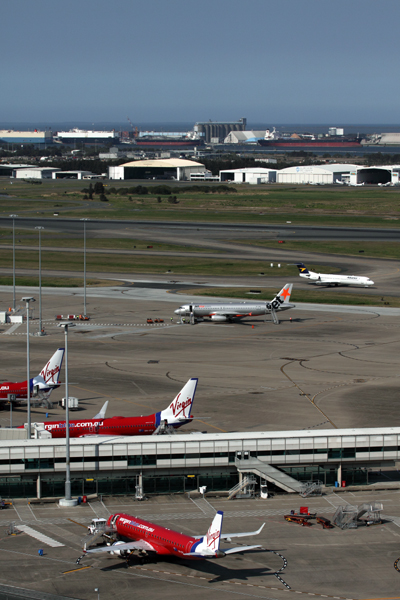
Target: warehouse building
column 244, row 137
column 178, row 169
column 251, row 175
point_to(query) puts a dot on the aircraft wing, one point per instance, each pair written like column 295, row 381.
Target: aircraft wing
column 137, row 545
column 239, row 549
column 229, row 313
column 228, row 536
column 221, row 552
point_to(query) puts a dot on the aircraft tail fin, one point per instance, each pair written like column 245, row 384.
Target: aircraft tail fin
column 208, row 545
column 179, row 409
column 281, row 300
column 302, row 268
column 284, row 294
column 51, row 371
column 102, row 413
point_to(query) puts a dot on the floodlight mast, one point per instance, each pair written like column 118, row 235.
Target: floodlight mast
column 27, row 300
column 68, row 500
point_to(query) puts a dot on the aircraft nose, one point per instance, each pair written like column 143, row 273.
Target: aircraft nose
column 177, row 311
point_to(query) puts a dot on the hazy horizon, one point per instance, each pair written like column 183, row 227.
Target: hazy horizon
column 307, row 62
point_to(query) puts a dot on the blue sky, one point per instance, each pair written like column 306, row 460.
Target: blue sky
column 281, row 61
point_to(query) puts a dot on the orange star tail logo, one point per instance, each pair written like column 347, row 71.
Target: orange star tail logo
column 285, row 294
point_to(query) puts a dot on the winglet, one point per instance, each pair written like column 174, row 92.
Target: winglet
column 102, row 413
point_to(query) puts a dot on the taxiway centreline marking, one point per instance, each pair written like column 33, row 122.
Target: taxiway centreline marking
column 75, row 570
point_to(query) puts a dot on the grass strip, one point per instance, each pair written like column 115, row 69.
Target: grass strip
column 27, row 281
column 388, row 250
column 171, row 265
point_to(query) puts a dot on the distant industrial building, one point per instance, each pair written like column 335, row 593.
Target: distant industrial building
column 216, row 131
column 82, row 136
column 169, row 168
column 253, row 175
column 244, row 137
column 382, row 139
column 37, row 138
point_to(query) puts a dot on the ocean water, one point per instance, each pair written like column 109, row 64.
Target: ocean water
column 187, row 126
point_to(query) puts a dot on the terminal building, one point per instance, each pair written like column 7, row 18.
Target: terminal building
column 181, row 463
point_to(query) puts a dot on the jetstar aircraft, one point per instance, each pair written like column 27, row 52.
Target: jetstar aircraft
column 42, row 385
column 332, row 280
column 176, row 415
column 232, row 310
column 148, row 538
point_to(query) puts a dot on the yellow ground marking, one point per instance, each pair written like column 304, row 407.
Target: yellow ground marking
column 75, row 570
column 210, row 425
column 311, row 400
column 76, row 523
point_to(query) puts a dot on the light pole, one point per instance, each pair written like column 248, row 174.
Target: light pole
column 28, row 299
column 68, row 500
column 40, row 279
column 13, row 218
column 98, row 593
column 84, row 265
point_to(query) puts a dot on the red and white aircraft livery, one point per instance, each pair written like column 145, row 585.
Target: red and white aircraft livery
column 42, row 385
column 176, row 415
column 148, row 538
column 229, row 311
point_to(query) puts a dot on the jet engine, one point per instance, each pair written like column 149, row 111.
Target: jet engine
column 219, row 318
column 122, row 553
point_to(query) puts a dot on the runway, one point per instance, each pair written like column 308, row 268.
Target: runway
column 216, row 230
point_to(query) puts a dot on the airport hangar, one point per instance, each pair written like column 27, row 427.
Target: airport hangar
column 343, row 173
column 181, row 463
column 169, row 168
column 252, row 175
